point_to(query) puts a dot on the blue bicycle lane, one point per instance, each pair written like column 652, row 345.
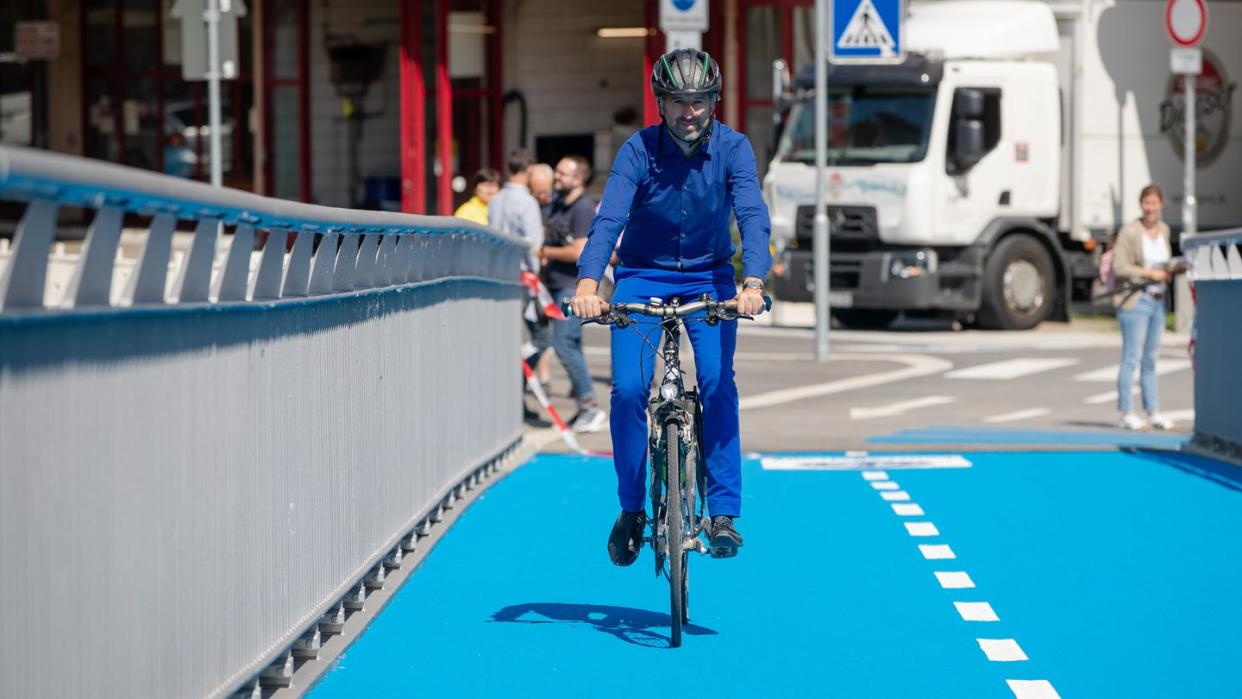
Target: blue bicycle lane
column 1109, row 574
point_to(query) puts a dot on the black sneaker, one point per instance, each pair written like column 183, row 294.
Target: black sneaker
column 626, row 539
column 724, row 538
column 532, row 418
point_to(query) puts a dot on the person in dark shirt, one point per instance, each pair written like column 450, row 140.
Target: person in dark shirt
column 565, row 233
column 671, row 189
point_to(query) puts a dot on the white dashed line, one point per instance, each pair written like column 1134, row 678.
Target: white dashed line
column 1109, row 373
column 1019, row 415
column 954, row 580
column 1001, row 650
column 1010, row 368
column 976, row 611
column 1032, row 689
column 937, row 552
column 899, row 408
column 1106, row 397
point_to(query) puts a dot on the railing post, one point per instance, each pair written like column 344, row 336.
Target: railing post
column 92, row 278
column 346, row 263
column 324, row 271
column 364, row 275
column 147, row 283
column 231, row 284
column 271, row 270
column 297, row 277
column 194, row 278
column 21, row 285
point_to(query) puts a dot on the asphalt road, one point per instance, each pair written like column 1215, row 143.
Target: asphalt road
column 926, row 386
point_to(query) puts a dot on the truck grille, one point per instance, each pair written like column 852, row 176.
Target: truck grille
column 853, row 228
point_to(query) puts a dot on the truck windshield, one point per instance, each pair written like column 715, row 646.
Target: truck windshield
column 865, row 126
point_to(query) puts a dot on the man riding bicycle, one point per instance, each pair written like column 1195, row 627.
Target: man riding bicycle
column 671, row 189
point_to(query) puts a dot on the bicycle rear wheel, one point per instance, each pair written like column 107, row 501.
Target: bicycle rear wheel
column 676, row 532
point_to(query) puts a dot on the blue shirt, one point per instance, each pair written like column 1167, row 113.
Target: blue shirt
column 675, row 209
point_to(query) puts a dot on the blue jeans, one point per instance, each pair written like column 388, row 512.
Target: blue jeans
column 633, row 362
column 1141, row 329
column 567, row 341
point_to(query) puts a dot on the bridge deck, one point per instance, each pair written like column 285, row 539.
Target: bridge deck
column 1113, row 573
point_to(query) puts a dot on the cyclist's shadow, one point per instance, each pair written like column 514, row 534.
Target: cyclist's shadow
column 624, row 623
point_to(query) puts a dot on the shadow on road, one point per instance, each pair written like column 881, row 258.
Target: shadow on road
column 624, row 623
column 1219, row 472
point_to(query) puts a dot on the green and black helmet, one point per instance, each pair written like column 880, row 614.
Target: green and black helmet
column 685, row 72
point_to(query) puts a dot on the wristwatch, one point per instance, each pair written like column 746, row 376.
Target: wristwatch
column 753, row 284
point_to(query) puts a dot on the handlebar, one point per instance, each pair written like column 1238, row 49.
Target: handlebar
column 716, row 310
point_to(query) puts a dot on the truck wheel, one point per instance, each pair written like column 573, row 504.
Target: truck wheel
column 1019, row 285
column 864, row 318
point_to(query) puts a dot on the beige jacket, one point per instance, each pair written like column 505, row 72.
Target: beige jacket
column 1128, row 260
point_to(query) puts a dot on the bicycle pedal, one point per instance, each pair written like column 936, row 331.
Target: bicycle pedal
column 723, row 551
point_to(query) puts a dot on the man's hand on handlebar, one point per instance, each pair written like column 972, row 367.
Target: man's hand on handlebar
column 750, row 302
column 586, row 301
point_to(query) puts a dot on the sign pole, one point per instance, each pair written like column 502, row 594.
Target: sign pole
column 820, row 242
column 212, row 16
column 1190, row 224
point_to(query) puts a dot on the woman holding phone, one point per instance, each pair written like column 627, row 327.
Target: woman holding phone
column 1141, row 257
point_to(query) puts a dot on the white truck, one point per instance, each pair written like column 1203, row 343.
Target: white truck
column 978, row 178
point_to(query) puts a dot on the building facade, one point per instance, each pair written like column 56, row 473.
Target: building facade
column 376, row 103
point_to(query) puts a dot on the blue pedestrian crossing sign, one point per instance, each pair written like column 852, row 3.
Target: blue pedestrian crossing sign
column 867, row 31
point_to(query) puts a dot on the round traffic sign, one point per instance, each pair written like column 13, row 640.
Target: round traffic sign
column 1186, row 21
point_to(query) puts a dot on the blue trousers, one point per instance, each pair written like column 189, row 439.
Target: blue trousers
column 567, row 341
column 1141, row 328
column 633, row 361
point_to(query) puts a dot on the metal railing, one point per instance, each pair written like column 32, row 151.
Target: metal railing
column 1216, row 271
column 213, row 449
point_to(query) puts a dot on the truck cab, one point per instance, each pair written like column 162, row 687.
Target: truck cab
column 943, row 183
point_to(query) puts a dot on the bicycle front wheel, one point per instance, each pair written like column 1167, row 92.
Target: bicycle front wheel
column 674, row 528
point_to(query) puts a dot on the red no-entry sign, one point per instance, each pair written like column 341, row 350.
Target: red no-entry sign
column 1186, row 21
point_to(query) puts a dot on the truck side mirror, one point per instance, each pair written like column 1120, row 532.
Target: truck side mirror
column 969, row 148
column 968, row 104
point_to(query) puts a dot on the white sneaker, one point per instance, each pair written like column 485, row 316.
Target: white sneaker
column 1131, row 421
column 591, row 419
column 1160, row 422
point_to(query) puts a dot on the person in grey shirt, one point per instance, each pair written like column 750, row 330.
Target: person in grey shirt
column 514, row 211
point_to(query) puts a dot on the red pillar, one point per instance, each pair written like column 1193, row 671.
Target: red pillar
column 413, row 112
column 444, row 114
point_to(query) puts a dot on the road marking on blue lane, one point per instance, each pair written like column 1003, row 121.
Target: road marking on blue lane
column 907, row 509
column 937, row 552
column 1033, row 689
column 1032, row 437
column 895, row 495
column 1002, row 650
column 884, row 485
column 954, row 579
column 922, row 529
column 861, row 461
column 976, row 611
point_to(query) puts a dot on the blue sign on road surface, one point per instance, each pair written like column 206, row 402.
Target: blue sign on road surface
column 867, row 31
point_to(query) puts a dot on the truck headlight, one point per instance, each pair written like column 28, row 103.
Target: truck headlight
column 914, row 264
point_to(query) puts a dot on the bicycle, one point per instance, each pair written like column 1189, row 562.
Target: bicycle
column 675, row 463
